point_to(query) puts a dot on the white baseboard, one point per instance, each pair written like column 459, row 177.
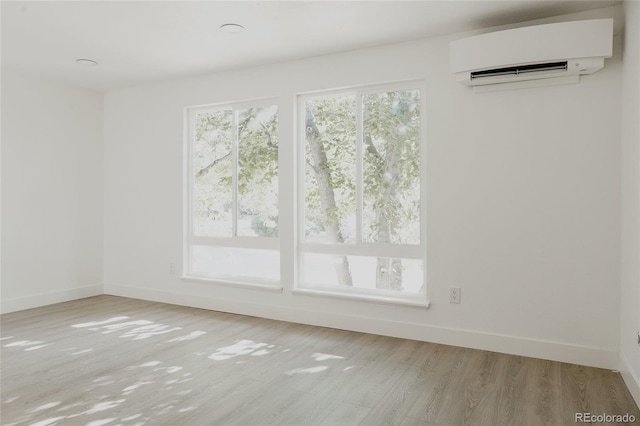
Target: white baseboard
column 42, row 299
column 555, row 351
column 630, row 377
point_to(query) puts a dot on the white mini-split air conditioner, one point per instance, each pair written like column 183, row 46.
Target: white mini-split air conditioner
column 532, row 56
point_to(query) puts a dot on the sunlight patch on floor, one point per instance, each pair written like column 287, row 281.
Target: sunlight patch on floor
column 44, row 407
column 96, row 408
column 129, row 389
column 144, row 364
column 94, row 323
column 21, row 343
column 261, row 352
column 128, row 419
column 103, row 406
column 168, row 383
column 241, row 347
column 70, row 406
column 167, row 407
column 100, row 422
column 102, row 383
column 137, row 329
column 151, row 330
column 47, row 421
column 190, row 336
column 112, row 328
column 310, row 370
column 125, row 326
column 323, row 357
column 33, row 348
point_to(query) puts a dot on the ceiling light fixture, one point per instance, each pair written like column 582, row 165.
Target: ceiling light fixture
column 86, row 62
column 232, row 28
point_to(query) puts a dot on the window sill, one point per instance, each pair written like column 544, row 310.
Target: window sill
column 424, row 304
column 276, row 288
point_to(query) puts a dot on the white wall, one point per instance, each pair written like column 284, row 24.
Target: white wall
column 523, row 203
column 630, row 255
column 51, row 192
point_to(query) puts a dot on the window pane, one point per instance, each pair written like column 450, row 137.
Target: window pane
column 213, row 168
column 235, row 263
column 330, row 168
column 258, row 172
column 367, row 273
column 391, row 167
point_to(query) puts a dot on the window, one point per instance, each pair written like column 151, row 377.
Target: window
column 360, row 224
column 361, row 197
column 232, row 219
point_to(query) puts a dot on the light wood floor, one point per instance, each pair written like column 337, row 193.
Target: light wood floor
column 117, row 361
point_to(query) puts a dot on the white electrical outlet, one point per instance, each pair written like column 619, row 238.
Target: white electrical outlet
column 454, row 294
column 172, row 268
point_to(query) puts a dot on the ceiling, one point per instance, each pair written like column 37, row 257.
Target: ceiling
column 137, row 42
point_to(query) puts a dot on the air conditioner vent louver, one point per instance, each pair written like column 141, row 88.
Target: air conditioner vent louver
column 520, row 69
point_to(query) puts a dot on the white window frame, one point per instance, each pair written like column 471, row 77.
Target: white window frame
column 234, row 241
column 360, row 247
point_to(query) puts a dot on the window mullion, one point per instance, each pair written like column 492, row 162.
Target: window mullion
column 234, row 176
column 300, row 200
column 188, row 225
column 359, row 167
column 191, row 181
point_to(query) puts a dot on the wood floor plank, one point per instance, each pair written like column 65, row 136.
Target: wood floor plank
column 405, row 392
column 412, row 421
column 440, row 393
column 480, row 388
column 587, row 390
column 514, row 403
column 383, row 374
column 112, row 360
column 468, row 391
column 346, row 414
